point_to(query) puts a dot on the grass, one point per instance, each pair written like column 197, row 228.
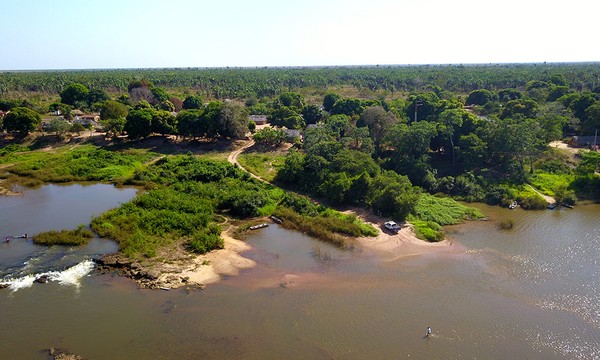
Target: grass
column 428, row 230
column 431, row 212
column 547, row 183
column 79, row 236
column 264, row 165
column 82, row 163
column 317, row 227
column 444, row 210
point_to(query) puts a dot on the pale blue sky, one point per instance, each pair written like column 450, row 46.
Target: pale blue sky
column 83, row 34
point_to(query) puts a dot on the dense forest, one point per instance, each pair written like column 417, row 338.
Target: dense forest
column 396, row 140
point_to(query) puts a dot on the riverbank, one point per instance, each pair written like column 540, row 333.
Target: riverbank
column 176, row 267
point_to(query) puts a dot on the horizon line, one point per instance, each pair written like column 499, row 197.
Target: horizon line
column 304, row 66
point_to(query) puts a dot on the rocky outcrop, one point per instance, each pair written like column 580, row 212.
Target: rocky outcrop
column 58, row 354
column 146, row 275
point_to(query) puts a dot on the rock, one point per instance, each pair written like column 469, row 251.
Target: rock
column 3, row 286
column 58, row 354
column 42, row 279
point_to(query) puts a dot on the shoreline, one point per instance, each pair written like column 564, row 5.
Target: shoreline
column 176, row 268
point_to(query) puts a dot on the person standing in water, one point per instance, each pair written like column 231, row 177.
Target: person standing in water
column 428, row 331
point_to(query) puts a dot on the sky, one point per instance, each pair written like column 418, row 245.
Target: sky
column 96, row 34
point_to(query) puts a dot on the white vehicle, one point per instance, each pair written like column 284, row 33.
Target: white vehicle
column 392, row 226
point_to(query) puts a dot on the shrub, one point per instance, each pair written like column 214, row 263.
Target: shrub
column 428, row 230
column 207, row 239
column 77, row 237
column 506, row 224
column 534, row 202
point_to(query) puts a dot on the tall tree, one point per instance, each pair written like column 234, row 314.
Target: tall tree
column 139, row 123
column 233, row 121
column 74, row 94
column 21, row 120
column 193, row 102
column 113, row 110
column 378, row 121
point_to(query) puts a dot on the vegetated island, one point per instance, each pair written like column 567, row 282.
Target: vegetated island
column 379, row 139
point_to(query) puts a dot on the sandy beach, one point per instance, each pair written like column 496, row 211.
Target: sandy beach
column 176, row 267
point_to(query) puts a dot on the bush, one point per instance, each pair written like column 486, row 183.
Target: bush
column 428, row 230
column 534, row 202
column 77, row 237
column 207, row 239
column 506, row 224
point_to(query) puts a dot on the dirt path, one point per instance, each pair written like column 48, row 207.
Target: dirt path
column 232, row 158
column 549, row 199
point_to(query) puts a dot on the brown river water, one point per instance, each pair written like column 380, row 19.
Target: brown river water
column 532, row 292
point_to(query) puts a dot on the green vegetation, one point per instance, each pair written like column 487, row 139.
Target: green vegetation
column 382, row 138
column 444, row 210
column 264, row 164
column 506, row 224
column 77, row 237
column 82, row 163
column 188, row 191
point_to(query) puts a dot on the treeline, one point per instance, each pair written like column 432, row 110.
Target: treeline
column 373, row 152
column 221, row 83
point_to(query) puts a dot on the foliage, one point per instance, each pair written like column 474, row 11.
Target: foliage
column 59, row 126
column 113, row 110
column 263, row 164
column 428, row 230
column 84, row 163
column 506, row 224
column 533, row 202
column 139, row 123
column 74, row 94
column 444, row 210
column 193, row 102
column 79, row 236
column 21, row 120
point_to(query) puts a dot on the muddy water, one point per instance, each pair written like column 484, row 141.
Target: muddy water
column 531, row 292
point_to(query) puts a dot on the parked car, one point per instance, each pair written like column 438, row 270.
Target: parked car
column 392, row 226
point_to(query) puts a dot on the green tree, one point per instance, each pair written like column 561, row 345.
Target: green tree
column 347, row 107
column 74, row 93
column 378, row 121
column 285, row 116
column 96, row 96
column 159, row 94
column 114, row 126
column 163, row 122
column 233, row 121
column 269, row 137
column 329, row 100
column 166, row 105
column 21, row 120
column 312, row 114
column 193, row 102
column 480, row 97
column 424, row 105
column 113, row 110
column 188, row 123
column 59, row 126
column 290, row 99
column 592, row 119
column 139, row 123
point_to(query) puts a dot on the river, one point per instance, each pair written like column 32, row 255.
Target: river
column 529, row 292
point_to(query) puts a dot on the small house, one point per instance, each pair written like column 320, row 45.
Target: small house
column 584, row 141
column 88, row 120
column 259, row 119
